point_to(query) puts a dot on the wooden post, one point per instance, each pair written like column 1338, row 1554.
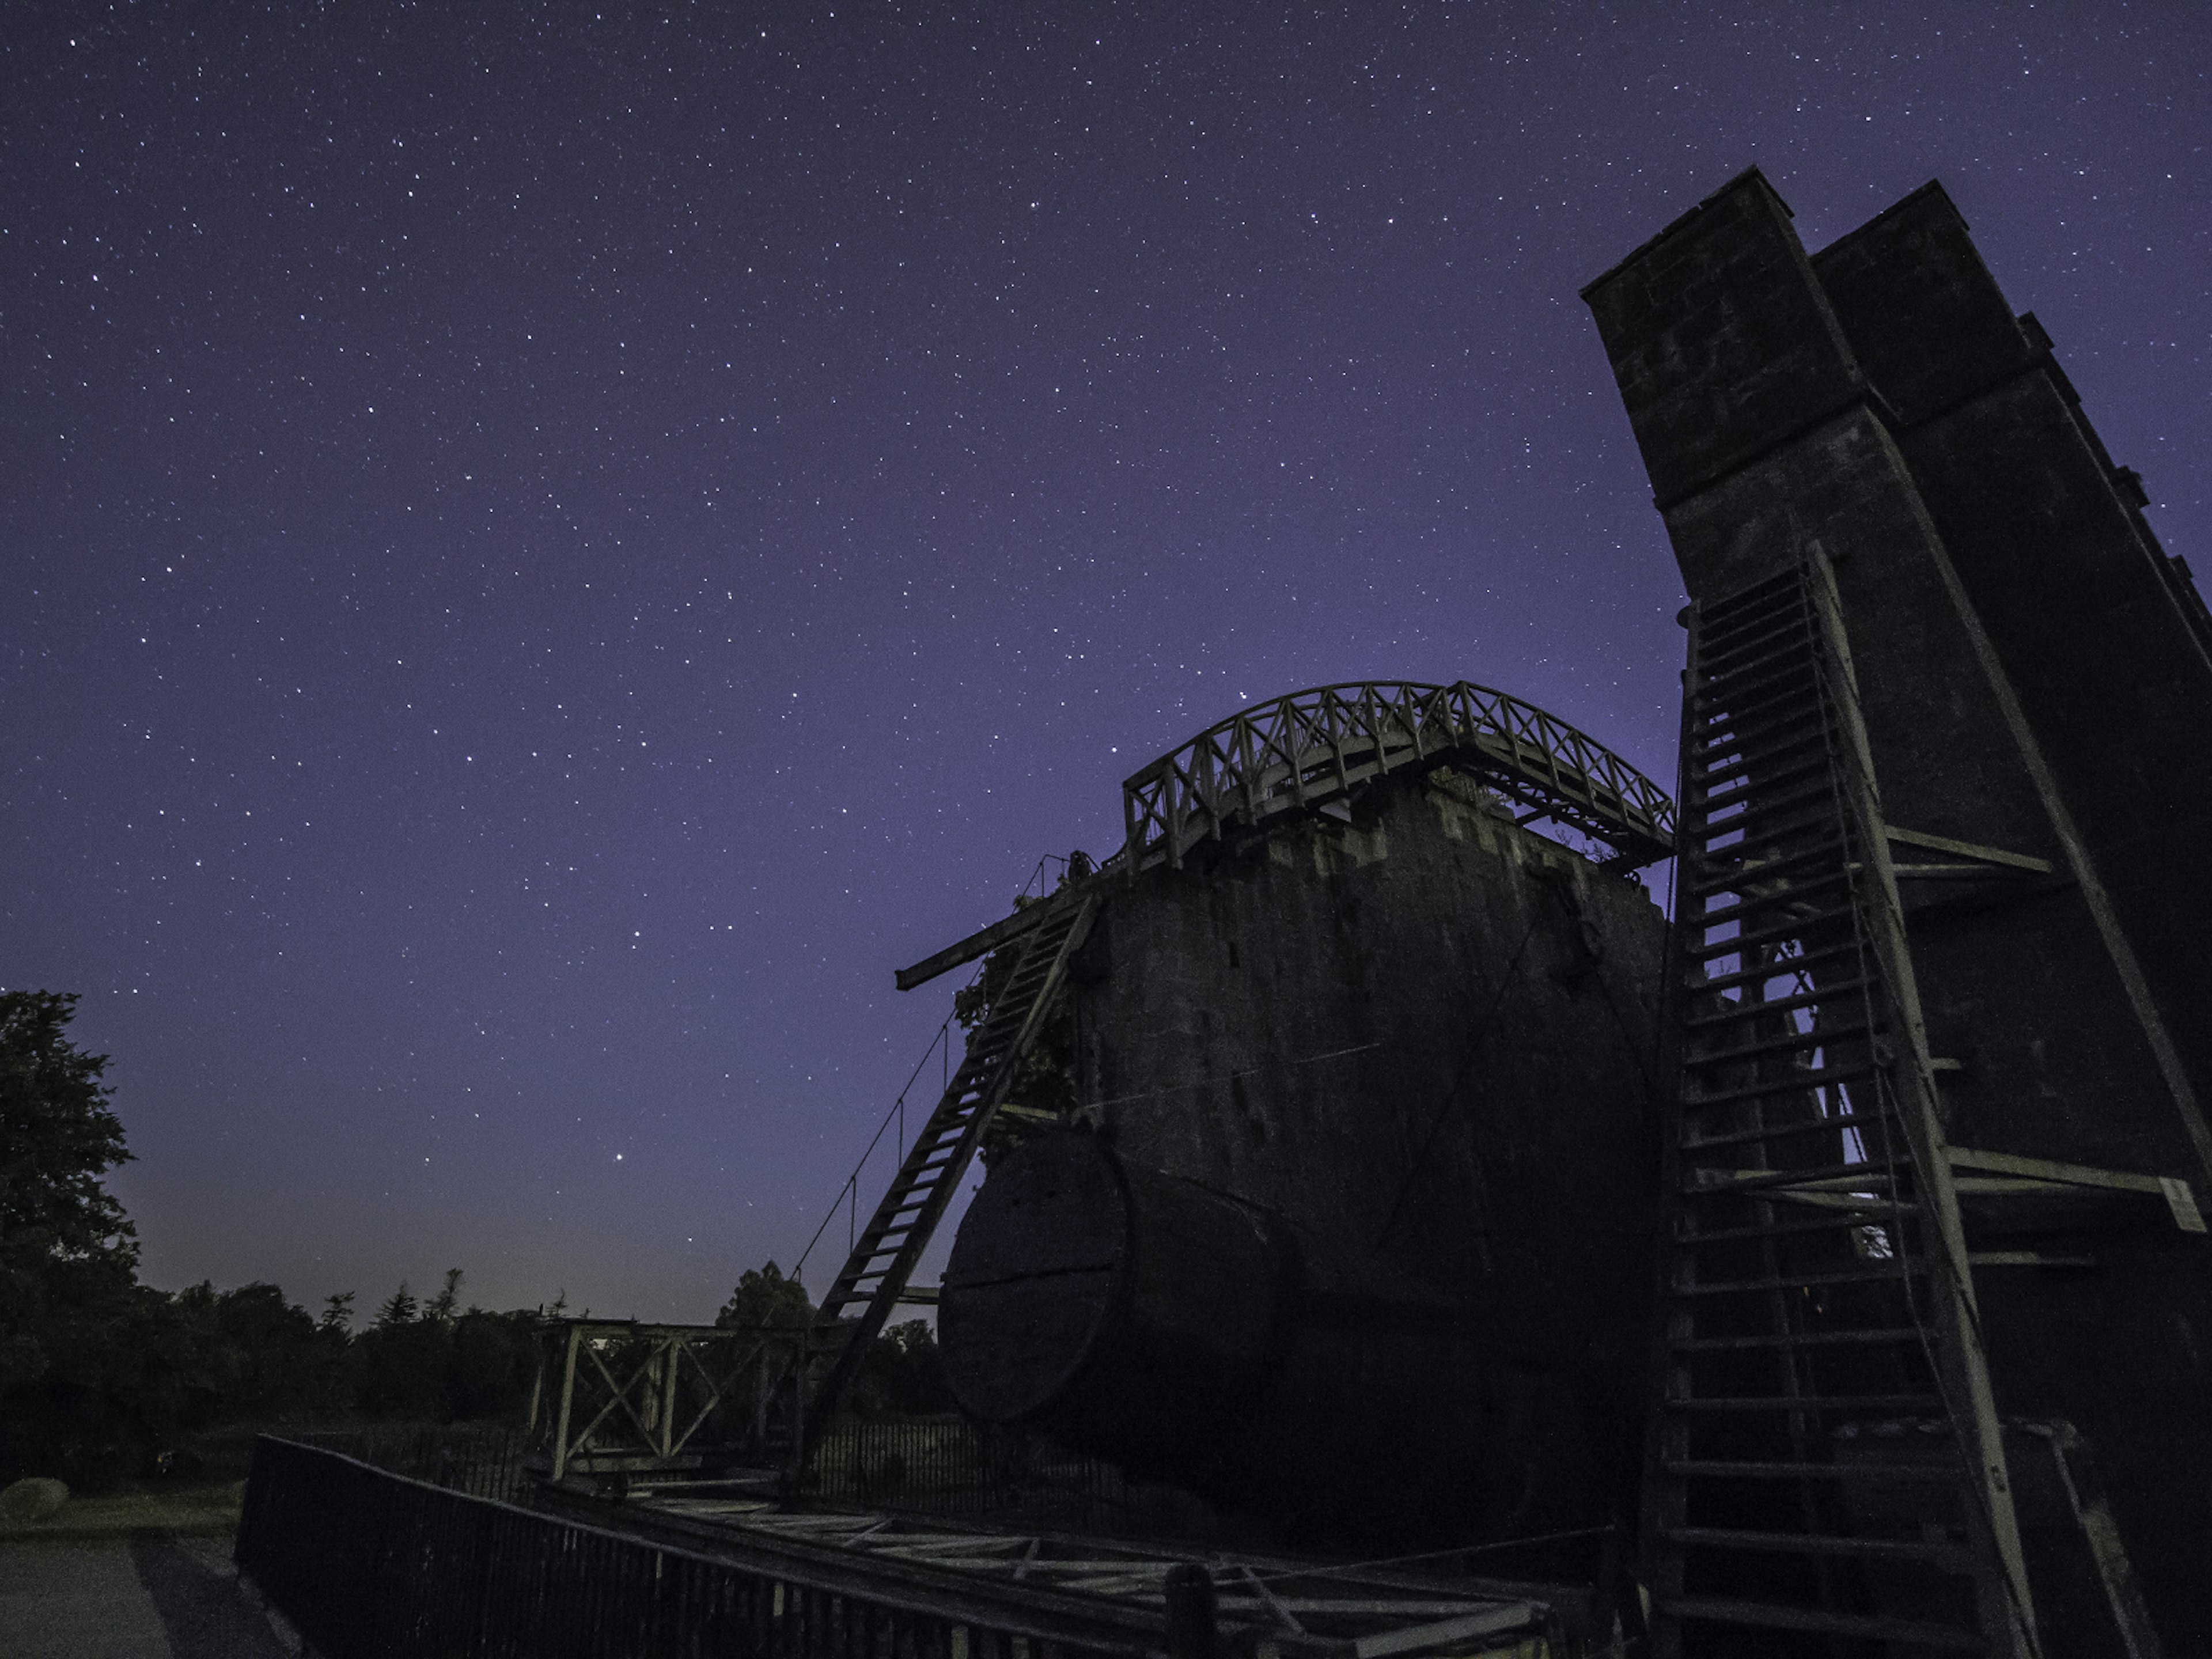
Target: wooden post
column 567, row 1399
column 1191, row 1631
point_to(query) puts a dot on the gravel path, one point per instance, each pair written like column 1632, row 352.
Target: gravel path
column 143, row 1596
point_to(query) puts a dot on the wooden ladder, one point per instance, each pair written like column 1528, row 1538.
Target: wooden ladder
column 853, row 1313
column 1827, row 1472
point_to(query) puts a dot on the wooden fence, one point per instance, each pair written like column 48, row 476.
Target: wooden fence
column 483, row 1460
column 369, row 1564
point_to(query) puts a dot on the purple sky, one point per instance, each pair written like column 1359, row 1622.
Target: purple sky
column 540, row 559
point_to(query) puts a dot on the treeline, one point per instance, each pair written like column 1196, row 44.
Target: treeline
column 131, row 1376
column 103, row 1378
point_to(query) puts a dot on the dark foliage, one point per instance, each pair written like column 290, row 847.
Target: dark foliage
column 903, row 1376
column 765, row 1300
column 62, row 1237
column 102, row 1378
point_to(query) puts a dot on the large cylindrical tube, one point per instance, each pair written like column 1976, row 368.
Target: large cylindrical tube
column 1127, row 1309
column 1188, row 1336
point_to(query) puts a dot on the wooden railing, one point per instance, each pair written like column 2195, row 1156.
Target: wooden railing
column 367, row 1564
column 1314, row 748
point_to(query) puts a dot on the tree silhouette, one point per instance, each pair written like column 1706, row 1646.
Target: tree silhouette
column 445, row 1305
column 399, row 1308
column 65, row 1243
column 765, row 1299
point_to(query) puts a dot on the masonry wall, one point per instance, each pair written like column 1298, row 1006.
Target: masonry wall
column 1423, row 1042
column 2034, row 678
column 2102, row 636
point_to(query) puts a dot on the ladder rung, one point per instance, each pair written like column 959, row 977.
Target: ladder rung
column 1791, row 839
column 1800, row 1543
column 1773, row 970
column 1761, row 803
column 1836, row 1405
column 1762, row 606
column 1789, row 578
column 1807, row 809
column 1832, row 1222
column 1796, row 1083
column 1806, row 865
column 1771, row 1616
column 1715, row 613
column 1809, row 833
column 1756, row 652
column 1785, row 1131
column 1750, row 904
column 1751, row 653
column 1748, row 659
column 857, row 1267
column 1895, row 1274
column 1829, row 1176
column 1780, row 934
column 1759, row 730
column 1722, row 702
column 1743, row 757
column 1774, row 615
column 1813, row 1039
column 1737, row 764
column 1772, row 733
column 1738, row 874
column 1872, row 1336
column 1709, row 1468
column 1704, row 798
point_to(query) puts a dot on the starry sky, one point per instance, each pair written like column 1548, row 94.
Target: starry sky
column 544, row 552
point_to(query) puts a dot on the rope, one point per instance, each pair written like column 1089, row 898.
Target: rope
column 849, row 1192
column 1419, row 1164
column 1350, row 1567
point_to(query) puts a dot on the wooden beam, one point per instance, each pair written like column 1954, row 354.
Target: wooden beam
column 2180, row 1198
column 1967, row 849
column 2040, row 1168
column 984, row 941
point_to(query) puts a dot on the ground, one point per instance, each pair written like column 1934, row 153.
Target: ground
column 140, row 1574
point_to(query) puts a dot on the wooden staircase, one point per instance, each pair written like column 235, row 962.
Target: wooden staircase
column 1828, row 1473
column 854, row 1312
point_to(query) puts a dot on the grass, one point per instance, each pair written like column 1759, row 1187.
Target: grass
column 202, row 1509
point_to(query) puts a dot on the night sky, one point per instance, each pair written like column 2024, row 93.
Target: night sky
column 541, row 558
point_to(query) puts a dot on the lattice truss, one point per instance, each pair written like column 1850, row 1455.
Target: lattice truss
column 1312, row 748
column 618, row 1396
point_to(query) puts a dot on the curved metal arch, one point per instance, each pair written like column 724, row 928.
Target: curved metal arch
column 1301, row 751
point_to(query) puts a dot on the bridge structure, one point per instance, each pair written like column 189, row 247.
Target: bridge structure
column 1312, row 750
